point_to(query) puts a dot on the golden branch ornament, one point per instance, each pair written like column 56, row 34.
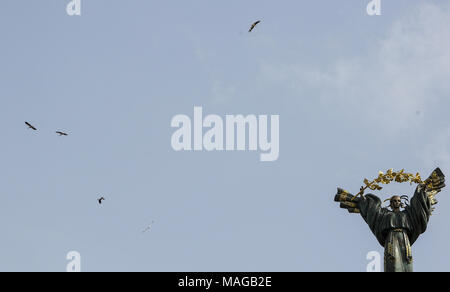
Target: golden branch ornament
column 390, row 176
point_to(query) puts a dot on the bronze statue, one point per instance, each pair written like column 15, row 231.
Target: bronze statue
column 396, row 230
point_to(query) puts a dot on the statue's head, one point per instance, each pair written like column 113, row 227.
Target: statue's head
column 396, row 202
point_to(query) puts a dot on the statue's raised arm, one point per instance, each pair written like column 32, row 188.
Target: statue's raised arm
column 422, row 204
column 369, row 206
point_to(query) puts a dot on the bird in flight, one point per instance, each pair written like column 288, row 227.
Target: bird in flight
column 148, row 227
column 254, row 25
column 30, row 126
column 61, row 133
column 100, row 200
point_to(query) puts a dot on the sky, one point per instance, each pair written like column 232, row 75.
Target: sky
column 355, row 94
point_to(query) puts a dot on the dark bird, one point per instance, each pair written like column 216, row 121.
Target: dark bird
column 61, row 133
column 254, row 25
column 100, row 200
column 30, row 126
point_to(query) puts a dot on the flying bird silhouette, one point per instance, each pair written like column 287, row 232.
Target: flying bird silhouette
column 100, row 200
column 148, row 227
column 254, row 25
column 61, row 133
column 30, row 126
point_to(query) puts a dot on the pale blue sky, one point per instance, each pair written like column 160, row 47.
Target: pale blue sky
column 355, row 95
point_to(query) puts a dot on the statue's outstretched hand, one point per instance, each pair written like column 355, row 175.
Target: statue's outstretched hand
column 347, row 201
column 433, row 185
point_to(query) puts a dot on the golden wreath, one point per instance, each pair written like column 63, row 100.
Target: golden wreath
column 390, row 176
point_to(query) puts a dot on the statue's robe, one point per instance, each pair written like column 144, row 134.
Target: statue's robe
column 397, row 231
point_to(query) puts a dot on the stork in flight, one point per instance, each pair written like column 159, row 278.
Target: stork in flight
column 30, row 126
column 61, row 133
column 254, row 25
column 148, row 227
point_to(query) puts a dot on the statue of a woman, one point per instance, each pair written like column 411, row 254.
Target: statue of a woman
column 396, row 229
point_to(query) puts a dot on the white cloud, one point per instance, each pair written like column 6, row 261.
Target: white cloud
column 405, row 72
